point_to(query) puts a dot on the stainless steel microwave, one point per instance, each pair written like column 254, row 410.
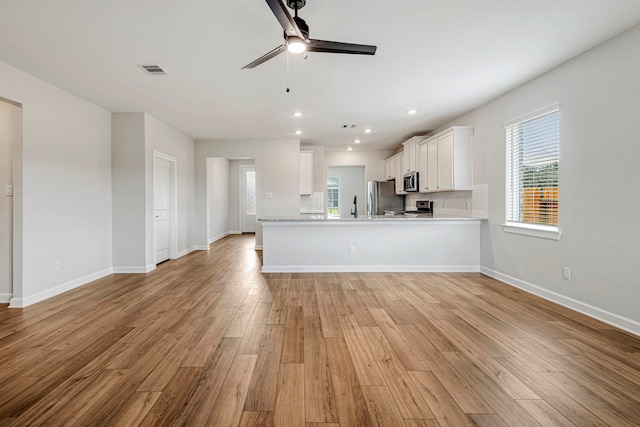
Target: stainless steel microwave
column 410, row 181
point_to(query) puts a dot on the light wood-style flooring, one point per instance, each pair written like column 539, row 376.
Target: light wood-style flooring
column 207, row 340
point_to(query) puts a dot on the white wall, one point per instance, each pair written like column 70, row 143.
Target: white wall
column 373, row 161
column 167, row 140
column 128, row 163
column 271, row 177
column 218, row 197
column 599, row 184
column 135, row 138
column 352, row 183
column 10, row 128
column 62, row 182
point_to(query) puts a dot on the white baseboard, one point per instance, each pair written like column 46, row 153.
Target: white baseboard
column 134, row 269
column 5, row 298
column 201, row 248
column 609, row 318
column 185, row 252
column 371, row 269
column 258, row 247
column 235, row 232
column 57, row 290
column 218, row 237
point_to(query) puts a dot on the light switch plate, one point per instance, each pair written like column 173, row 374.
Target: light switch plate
column 8, row 190
column 268, row 195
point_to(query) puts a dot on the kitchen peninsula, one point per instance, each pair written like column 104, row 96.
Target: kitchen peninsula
column 317, row 243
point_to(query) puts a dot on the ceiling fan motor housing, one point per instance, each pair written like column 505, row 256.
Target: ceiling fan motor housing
column 304, row 28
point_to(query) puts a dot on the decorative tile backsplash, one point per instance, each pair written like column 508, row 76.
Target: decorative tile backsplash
column 464, row 203
column 313, row 203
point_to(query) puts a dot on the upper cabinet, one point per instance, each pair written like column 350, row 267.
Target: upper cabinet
column 390, row 169
column 306, row 172
column 445, row 161
column 399, row 172
column 410, row 163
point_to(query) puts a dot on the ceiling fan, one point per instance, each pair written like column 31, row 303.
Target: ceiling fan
column 296, row 36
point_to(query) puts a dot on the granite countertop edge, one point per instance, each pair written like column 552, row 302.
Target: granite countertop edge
column 368, row 218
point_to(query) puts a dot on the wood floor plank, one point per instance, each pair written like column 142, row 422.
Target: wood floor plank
column 381, row 407
column 350, row 403
column 444, row 408
column 201, row 339
column 261, row 395
column 554, row 396
column 405, row 394
column 318, row 390
column 290, row 402
column 136, row 409
column 256, row 419
column 410, row 359
column 227, row 410
column 293, row 341
column 364, row 362
column 196, row 411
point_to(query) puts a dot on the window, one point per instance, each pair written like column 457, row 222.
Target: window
column 251, row 193
column 333, row 196
column 532, row 160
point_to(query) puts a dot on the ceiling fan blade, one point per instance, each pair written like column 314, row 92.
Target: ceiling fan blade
column 288, row 24
column 264, row 58
column 339, row 47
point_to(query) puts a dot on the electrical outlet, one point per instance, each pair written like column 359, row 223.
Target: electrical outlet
column 352, row 249
column 58, row 265
column 566, row 273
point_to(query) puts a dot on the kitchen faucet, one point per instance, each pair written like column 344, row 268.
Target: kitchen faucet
column 354, row 212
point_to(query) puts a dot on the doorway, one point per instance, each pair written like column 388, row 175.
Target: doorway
column 247, row 199
column 164, row 207
column 344, row 183
column 10, row 141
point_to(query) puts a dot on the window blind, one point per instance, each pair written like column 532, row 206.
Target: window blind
column 532, row 161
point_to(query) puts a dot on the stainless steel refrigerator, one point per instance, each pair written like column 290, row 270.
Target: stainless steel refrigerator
column 382, row 197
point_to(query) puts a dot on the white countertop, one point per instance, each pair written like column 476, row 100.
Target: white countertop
column 367, row 218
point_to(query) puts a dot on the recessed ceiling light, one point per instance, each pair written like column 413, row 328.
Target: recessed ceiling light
column 411, row 112
column 357, row 141
column 298, row 132
column 367, row 131
column 297, row 114
column 349, row 149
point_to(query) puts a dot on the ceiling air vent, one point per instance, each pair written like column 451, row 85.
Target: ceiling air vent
column 154, row 70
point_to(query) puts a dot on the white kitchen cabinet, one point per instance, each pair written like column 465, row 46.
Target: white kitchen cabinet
column 449, row 160
column 410, row 163
column 423, row 168
column 306, row 172
column 399, row 172
column 390, row 169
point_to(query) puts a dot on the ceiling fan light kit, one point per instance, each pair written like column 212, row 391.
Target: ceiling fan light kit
column 296, row 36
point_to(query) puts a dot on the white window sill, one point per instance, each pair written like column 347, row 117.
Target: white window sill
column 531, row 230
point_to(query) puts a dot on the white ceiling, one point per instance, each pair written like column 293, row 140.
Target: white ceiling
column 442, row 58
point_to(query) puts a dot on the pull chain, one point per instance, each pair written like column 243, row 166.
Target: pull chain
column 287, row 52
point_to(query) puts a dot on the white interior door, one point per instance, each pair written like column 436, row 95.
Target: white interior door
column 247, row 199
column 162, row 208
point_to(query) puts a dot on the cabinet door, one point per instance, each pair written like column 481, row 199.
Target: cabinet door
column 390, row 169
column 432, row 166
column 409, row 163
column 306, row 172
column 399, row 173
column 445, row 162
column 423, row 156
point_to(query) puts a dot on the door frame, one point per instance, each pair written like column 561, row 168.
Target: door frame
column 242, row 169
column 173, row 205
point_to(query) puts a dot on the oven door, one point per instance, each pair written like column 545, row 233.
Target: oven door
column 410, row 181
